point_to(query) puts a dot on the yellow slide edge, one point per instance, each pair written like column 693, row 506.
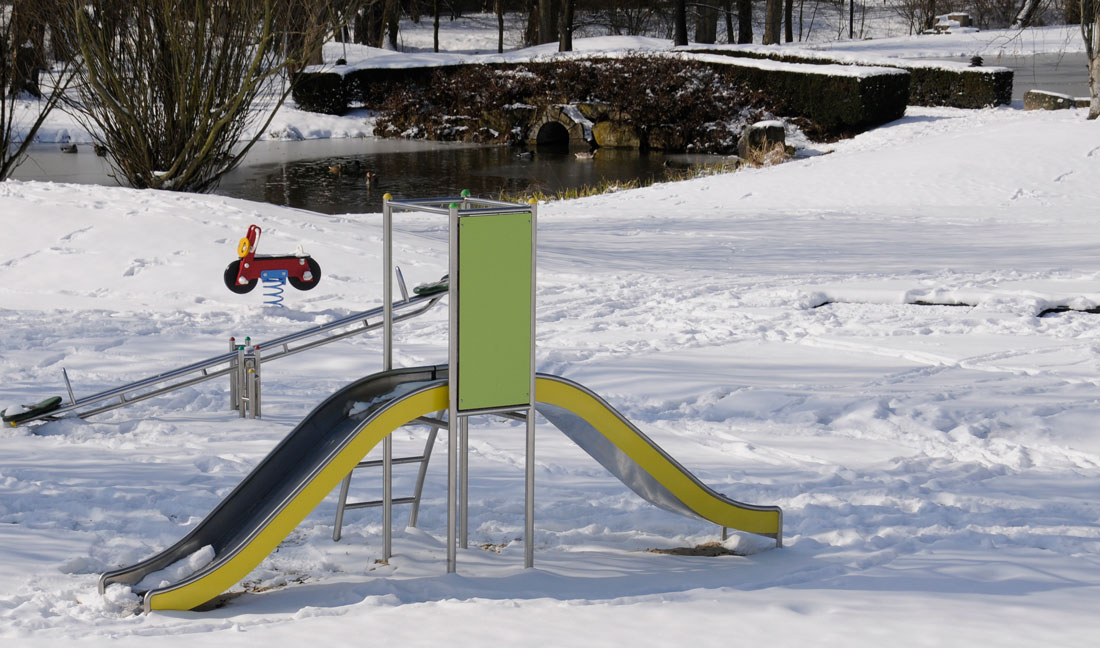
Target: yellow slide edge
column 699, row 499
column 708, row 506
column 192, row 594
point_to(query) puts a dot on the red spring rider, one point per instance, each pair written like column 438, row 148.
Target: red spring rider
column 241, row 276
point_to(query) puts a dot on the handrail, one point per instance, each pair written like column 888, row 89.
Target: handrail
column 207, row 367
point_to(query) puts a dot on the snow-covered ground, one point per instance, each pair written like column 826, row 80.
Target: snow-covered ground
column 938, row 466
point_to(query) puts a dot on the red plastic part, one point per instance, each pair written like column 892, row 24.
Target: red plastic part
column 252, row 265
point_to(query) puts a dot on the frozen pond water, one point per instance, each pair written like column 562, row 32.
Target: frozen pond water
column 329, row 176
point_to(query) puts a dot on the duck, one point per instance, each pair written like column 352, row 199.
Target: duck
column 525, row 155
column 336, row 169
column 585, row 155
column 370, row 177
column 100, row 150
column 68, row 148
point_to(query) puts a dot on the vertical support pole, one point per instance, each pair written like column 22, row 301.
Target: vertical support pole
column 529, row 462
column 422, row 473
column 341, row 504
column 387, row 364
column 387, row 284
column 452, row 387
column 253, row 386
column 234, row 393
column 68, row 386
column 529, row 494
column 242, row 383
column 464, row 483
column 257, row 404
column 387, row 497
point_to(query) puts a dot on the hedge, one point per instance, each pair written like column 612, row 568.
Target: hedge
column 929, row 85
column 675, row 95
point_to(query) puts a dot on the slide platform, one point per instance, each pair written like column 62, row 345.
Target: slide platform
column 321, row 450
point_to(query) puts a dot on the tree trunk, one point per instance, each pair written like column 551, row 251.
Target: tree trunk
column 680, row 35
column 393, row 15
column 548, row 21
column 744, row 21
column 727, row 10
column 788, row 20
column 1094, row 85
column 1090, row 32
column 26, row 43
column 773, row 21
column 1073, row 12
column 435, row 25
column 565, row 29
column 531, row 32
column 1026, row 14
column 706, row 24
column 500, row 25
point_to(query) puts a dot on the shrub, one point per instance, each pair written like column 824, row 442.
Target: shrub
column 320, row 92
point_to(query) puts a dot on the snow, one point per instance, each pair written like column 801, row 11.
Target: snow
column 177, row 571
column 937, row 465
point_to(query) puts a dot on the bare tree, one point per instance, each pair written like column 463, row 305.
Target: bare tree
column 548, row 20
column 744, row 21
column 172, row 90
column 565, row 27
column 773, row 21
column 680, row 35
column 706, row 22
column 1090, row 31
column 30, row 85
column 1026, row 14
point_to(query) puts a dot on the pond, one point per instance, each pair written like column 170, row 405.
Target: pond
column 330, row 176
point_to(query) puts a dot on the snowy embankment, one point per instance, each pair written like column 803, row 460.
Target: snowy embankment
column 938, row 465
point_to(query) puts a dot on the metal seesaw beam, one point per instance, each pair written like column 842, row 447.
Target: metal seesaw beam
column 222, row 365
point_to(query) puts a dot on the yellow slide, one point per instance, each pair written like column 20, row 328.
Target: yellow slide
column 305, row 467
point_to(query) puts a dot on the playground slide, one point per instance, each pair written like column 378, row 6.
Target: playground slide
column 293, row 479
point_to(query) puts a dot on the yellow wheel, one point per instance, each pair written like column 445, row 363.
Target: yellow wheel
column 242, row 248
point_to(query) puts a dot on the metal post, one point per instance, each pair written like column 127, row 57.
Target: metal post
column 529, row 494
column 464, row 477
column 387, row 284
column 250, row 370
column 452, row 485
column 242, row 383
column 422, row 473
column 452, row 378
column 257, row 396
column 340, row 506
column 387, row 497
column 68, row 386
column 234, row 393
column 529, row 465
column 387, row 364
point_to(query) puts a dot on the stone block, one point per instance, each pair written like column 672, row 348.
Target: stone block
column 611, row 134
column 1043, row 100
column 761, row 136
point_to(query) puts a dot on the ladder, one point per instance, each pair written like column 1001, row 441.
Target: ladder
column 435, row 423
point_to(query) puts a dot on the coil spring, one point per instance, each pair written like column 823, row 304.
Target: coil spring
column 274, row 280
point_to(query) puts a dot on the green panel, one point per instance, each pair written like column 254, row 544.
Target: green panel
column 494, row 311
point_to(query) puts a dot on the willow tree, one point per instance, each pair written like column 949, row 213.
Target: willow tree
column 178, row 91
column 1090, row 31
column 30, row 84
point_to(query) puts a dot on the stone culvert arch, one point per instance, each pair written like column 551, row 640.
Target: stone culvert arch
column 561, row 124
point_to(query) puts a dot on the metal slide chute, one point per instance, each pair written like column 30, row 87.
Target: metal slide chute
column 288, row 484
column 328, row 444
column 595, row 426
